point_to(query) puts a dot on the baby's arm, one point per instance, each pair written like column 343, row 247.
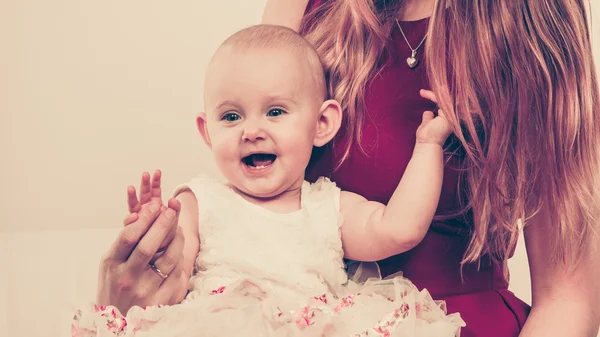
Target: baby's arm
column 372, row 231
column 188, row 221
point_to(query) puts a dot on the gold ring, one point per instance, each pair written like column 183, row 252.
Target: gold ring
column 160, row 273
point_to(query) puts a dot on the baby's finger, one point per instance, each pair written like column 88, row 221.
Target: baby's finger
column 132, row 201
column 130, row 218
column 430, row 95
column 156, row 190
column 427, row 117
column 145, row 188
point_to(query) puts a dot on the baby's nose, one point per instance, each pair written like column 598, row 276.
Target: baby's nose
column 254, row 132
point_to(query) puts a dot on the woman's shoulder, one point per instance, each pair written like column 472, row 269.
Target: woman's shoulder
column 312, row 4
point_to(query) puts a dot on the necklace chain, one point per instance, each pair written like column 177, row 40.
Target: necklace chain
column 414, row 51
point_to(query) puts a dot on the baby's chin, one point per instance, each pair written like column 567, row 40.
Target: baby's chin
column 258, row 190
column 263, row 188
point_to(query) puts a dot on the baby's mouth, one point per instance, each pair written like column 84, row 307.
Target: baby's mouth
column 259, row 160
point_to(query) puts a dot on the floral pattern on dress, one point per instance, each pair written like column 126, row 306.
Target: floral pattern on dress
column 302, row 318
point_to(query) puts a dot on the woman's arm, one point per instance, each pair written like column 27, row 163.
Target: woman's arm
column 287, row 13
column 565, row 301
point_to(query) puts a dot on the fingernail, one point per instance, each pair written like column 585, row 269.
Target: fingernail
column 154, row 207
column 170, row 213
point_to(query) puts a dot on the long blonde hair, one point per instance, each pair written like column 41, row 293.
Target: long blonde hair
column 518, row 83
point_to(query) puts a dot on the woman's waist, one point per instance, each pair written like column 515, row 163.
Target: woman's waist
column 435, row 265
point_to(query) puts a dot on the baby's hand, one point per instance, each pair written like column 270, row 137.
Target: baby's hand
column 433, row 129
column 150, row 193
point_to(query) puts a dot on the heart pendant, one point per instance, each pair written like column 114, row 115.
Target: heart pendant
column 412, row 62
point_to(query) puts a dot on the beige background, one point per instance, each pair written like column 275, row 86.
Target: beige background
column 92, row 93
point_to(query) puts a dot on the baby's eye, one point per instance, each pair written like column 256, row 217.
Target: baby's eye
column 231, row 117
column 275, row 112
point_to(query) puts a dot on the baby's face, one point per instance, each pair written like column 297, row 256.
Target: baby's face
column 262, row 110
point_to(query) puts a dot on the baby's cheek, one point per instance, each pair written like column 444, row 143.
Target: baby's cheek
column 223, row 152
column 301, row 149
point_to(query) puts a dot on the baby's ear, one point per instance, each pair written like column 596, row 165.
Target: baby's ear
column 203, row 128
column 329, row 122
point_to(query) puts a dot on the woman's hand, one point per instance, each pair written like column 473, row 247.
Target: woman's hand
column 131, row 273
column 150, row 191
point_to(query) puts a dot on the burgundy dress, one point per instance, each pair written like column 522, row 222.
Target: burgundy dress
column 394, row 110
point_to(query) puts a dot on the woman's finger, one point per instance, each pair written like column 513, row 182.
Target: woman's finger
column 441, row 113
column 167, row 241
column 129, row 219
column 173, row 289
column 174, row 204
column 166, row 262
column 150, row 242
column 131, row 235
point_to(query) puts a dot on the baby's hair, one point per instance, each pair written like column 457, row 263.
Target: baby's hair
column 273, row 36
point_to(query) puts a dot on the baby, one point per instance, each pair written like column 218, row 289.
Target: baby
column 267, row 247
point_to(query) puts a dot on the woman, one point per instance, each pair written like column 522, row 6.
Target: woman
column 517, row 78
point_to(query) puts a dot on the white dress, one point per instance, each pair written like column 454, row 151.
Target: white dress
column 261, row 273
